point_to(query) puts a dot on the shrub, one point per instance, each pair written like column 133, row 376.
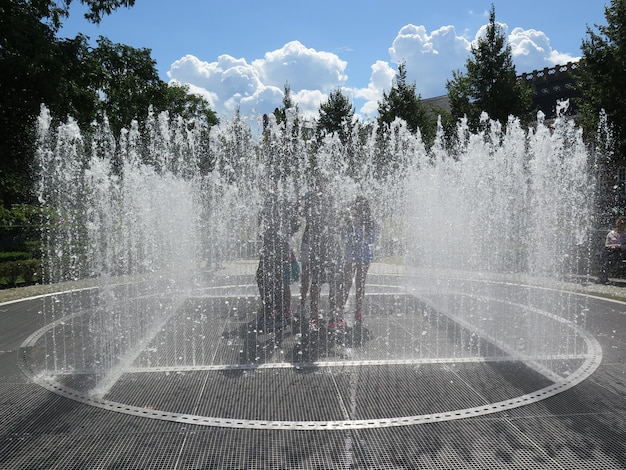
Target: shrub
column 26, row 271
column 6, row 256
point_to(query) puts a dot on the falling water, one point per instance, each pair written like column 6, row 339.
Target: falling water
column 147, row 216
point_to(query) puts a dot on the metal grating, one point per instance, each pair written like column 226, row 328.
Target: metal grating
column 210, row 365
column 577, row 427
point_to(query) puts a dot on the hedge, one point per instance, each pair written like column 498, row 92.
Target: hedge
column 26, row 271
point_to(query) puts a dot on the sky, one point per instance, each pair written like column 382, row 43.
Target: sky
column 240, row 54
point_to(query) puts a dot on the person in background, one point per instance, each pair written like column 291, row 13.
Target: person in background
column 278, row 224
column 614, row 249
column 319, row 256
column 305, row 250
column 359, row 235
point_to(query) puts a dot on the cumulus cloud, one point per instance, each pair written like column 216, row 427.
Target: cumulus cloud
column 303, row 68
column 380, row 80
column 531, row 50
column 258, row 86
column 431, row 57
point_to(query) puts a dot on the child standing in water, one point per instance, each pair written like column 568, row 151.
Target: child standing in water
column 319, row 255
column 278, row 224
column 359, row 235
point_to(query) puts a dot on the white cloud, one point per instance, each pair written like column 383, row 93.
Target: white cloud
column 257, row 86
column 229, row 80
column 430, row 58
column 380, row 80
column 264, row 100
column 309, row 101
column 531, row 50
column 303, row 68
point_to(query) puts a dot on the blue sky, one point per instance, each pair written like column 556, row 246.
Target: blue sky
column 241, row 53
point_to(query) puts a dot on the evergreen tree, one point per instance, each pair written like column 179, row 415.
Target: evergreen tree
column 336, row 115
column 281, row 149
column 601, row 74
column 403, row 102
column 490, row 84
column 281, row 113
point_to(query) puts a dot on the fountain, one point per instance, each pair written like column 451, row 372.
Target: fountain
column 159, row 231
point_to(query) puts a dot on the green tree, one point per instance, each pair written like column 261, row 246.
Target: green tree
column 26, row 59
column 336, row 115
column 402, row 102
column 179, row 101
column 405, row 103
column 280, row 149
column 99, row 8
column 129, row 83
column 36, row 68
column 490, row 84
column 71, row 79
column 281, row 113
column 55, row 11
column 601, row 74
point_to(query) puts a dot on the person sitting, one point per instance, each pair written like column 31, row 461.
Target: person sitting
column 614, row 249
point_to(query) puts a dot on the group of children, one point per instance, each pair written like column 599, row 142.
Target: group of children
column 336, row 249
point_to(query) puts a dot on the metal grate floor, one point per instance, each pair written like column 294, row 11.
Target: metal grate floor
column 250, row 377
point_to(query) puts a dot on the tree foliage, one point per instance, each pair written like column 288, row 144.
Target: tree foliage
column 30, row 72
column 600, row 77
column 280, row 114
column 99, row 8
column 71, row 78
column 179, row 101
column 128, row 82
column 336, row 115
column 490, row 84
column 405, row 103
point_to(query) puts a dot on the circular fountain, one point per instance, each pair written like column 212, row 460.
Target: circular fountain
column 463, row 311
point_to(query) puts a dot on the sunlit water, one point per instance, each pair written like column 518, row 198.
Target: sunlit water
column 148, row 215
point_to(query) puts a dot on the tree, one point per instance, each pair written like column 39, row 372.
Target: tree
column 71, row 79
column 55, row 11
column 36, row 68
column 26, row 59
column 128, row 84
column 490, row 84
column 179, row 101
column 601, row 74
column 336, row 115
column 403, row 102
column 280, row 114
column 99, row 8
column 128, row 81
